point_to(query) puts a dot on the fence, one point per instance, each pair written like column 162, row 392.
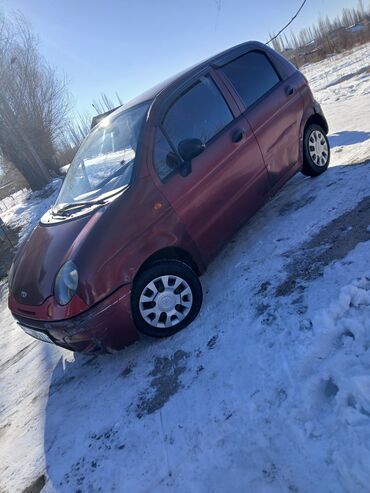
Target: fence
column 11, row 200
column 7, row 245
column 5, row 234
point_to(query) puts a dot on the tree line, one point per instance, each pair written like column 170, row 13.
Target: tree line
column 39, row 132
column 327, row 37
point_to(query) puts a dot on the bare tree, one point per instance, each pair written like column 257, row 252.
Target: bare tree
column 79, row 127
column 327, row 37
column 105, row 103
column 33, row 104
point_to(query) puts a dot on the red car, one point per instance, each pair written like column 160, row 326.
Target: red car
column 155, row 191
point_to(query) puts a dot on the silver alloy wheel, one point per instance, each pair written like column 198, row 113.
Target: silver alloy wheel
column 165, row 301
column 318, row 148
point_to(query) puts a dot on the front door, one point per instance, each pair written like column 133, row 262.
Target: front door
column 229, row 179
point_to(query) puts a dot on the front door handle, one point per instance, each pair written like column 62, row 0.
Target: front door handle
column 237, row 135
column 289, row 90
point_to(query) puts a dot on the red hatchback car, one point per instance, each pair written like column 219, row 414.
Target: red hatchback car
column 155, row 191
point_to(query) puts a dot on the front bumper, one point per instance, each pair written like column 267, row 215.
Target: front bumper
column 105, row 327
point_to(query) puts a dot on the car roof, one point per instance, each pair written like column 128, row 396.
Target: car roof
column 216, row 60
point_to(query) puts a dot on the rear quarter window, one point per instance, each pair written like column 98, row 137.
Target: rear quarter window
column 252, row 75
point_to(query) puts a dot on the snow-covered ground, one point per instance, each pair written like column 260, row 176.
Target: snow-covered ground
column 267, row 391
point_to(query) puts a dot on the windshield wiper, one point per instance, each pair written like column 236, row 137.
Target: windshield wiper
column 77, row 205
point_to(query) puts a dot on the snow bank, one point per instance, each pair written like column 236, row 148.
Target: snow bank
column 25, row 214
column 336, row 380
column 341, row 77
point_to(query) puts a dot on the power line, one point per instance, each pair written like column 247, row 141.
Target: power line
column 291, row 20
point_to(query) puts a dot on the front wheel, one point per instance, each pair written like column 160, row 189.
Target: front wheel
column 166, row 297
column 316, row 151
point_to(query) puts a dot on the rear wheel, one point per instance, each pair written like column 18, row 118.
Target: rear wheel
column 316, row 151
column 166, row 297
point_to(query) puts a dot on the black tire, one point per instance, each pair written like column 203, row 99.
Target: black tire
column 310, row 168
column 154, row 271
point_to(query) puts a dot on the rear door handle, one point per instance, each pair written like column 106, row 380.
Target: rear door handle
column 237, row 135
column 289, row 90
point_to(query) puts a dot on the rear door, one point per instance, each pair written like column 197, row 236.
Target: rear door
column 273, row 107
column 229, row 180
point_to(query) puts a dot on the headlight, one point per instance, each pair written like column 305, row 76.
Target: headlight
column 66, row 283
column 10, row 276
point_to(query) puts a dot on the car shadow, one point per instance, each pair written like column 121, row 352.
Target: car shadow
column 89, row 400
column 346, row 138
column 74, row 418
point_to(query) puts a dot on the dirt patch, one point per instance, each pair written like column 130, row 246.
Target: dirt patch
column 17, row 357
column 106, row 440
column 76, row 473
column 212, row 342
column 4, row 428
column 295, row 205
column 263, row 287
column 128, row 370
column 270, row 473
column 36, row 486
column 165, row 383
column 330, row 388
column 333, row 242
column 261, row 308
column 269, row 318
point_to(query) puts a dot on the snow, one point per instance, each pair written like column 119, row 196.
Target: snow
column 267, row 391
column 25, row 214
column 341, row 78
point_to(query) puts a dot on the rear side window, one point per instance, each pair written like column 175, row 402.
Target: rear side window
column 200, row 113
column 252, row 75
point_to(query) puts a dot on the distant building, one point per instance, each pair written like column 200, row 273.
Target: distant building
column 356, row 28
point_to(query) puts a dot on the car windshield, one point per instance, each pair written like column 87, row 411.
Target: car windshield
column 105, row 161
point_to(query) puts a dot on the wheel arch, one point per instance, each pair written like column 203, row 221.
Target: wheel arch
column 317, row 119
column 171, row 253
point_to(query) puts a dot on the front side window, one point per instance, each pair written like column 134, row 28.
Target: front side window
column 200, row 113
column 252, row 75
column 105, row 161
column 162, row 151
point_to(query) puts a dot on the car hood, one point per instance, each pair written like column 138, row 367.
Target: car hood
column 103, row 245
column 41, row 256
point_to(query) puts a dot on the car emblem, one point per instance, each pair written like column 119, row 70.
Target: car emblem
column 24, row 294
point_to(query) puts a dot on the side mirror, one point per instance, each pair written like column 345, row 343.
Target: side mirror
column 172, row 161
column 188, row 150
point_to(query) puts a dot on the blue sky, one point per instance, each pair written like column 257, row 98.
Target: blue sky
column 128, row 46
